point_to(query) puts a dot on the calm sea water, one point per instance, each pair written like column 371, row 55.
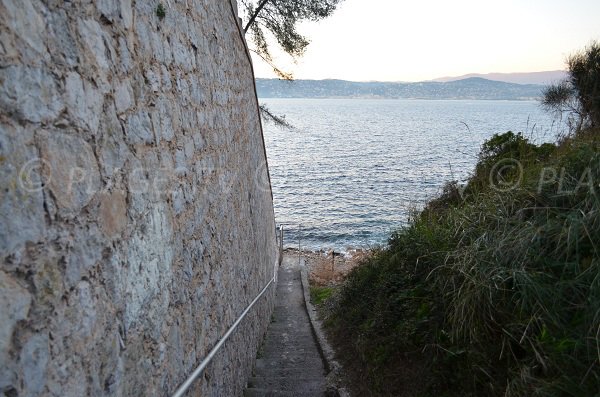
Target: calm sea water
column 352, row 169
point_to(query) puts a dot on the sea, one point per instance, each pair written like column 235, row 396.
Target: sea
column 350, row 171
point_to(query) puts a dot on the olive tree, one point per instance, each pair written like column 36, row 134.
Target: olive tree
column 280, row 18
column 578, row 96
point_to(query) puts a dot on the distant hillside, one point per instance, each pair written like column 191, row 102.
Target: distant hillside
column 470, row 88
column 543, row 78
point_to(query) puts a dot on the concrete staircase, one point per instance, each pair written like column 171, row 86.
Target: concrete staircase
column 289, row 362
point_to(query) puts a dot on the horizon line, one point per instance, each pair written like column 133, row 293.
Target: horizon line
column 434, row 80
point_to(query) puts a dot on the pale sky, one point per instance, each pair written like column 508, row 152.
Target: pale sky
column 395, row 40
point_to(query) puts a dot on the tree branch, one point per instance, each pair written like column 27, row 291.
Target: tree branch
column 283, row 75
column 279, row 121
column 256, row 12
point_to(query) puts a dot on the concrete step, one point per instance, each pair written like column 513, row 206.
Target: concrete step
column 289, row 333
column 290, row 362
column 290, row 337
column 306, row 342
column 290, row 354
column 291, row 330
column 291, row 372
column 281, row 369
column 288, row 384
column 294, row 323
column 270, row 393
column 284, row 318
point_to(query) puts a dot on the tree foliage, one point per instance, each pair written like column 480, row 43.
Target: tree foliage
column 579, row 94
column 280, row 18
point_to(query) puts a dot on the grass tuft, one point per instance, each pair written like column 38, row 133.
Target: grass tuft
column 319, row 294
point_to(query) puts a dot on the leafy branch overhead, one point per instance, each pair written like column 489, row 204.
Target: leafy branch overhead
column 271, row 117
column 280, row 18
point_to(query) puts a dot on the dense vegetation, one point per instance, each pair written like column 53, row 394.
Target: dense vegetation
column 494, row 288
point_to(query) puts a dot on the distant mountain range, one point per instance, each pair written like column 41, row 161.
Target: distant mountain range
column 543, row 78
column 468, row 88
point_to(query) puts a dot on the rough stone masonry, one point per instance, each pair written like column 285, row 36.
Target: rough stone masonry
column 136, row 217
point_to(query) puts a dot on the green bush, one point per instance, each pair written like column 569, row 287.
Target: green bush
column 492, row 292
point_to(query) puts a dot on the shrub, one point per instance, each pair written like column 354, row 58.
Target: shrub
column 496, row 294
column 161, row 13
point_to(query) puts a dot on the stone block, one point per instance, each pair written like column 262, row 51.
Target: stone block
column 27, row 23
column 34, row 358
column 70, row 169
column 124, row 56
column 139, row 129
column 82, row 316
column 67, row 379
column 158, row 51
column 166, row 78
column 181, row 166
column 48, row 282
column 162, row 120
column 127, row 13
column 178, row 200
column 15, row 301
column 123, row 97
column 84, row 102
column 116, row 11
column 181, row 56
column 112, row 215
column 149, row 260
column 111, row 148
column 189, row 148
column 142, row 32
column 61, row 40
column 197, row 93
column 152, row 80
column 167, row 50
column 29, row 93
column 21, row 195
column 109, row 9
column 85, row 253
column 91, row 35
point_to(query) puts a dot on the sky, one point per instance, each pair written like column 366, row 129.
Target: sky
column 396, row 40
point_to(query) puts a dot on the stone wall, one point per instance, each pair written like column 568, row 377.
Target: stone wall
column 136, row 217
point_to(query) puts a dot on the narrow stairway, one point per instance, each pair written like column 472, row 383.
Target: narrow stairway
column 289, row 362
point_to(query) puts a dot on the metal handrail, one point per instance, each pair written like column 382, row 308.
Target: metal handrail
column 198, row 371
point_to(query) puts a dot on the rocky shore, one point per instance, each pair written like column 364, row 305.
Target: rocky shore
column 327, row 268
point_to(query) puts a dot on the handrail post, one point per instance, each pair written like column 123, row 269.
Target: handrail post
column 280, row 244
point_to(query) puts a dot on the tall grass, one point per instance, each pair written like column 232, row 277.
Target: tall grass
column 492, row 292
